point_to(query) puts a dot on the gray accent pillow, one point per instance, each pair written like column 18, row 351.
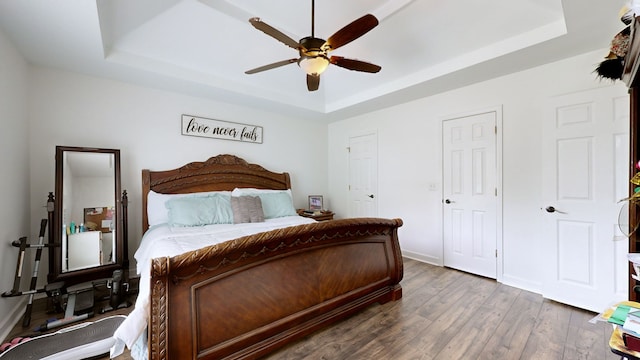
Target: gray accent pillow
column 247, row 209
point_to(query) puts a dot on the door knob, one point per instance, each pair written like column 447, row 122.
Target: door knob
column 551, row 209
column 447, row 201
column 370, row 195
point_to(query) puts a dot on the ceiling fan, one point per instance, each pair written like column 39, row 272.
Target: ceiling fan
column 314, row 52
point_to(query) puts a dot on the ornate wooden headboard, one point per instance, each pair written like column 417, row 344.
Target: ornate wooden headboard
column 222, row 172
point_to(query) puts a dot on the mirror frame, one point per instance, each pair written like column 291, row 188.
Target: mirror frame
column 55, row 256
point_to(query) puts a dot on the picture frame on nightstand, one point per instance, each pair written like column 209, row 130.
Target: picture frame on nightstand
column 315, row 203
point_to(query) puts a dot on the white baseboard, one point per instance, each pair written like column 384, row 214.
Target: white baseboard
column 422, row 258
column 14, row 317
column 523, row 284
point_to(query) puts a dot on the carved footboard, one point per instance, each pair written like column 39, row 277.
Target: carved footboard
column 245, row 298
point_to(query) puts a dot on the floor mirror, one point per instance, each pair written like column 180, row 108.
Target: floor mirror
column 88, row 218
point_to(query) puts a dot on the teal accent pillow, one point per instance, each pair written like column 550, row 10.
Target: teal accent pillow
column 277, row 204
column 200, row 211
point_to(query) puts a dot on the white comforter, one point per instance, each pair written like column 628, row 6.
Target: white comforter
column 163, row 240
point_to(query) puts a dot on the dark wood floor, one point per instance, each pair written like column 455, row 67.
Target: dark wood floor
column 448, row 314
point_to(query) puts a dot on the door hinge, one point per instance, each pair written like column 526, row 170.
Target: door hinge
column 348, row 148
column 495, row 129
column 495, row 192
column 496, row 252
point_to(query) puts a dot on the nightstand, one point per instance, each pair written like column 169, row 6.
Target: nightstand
column 323, row 216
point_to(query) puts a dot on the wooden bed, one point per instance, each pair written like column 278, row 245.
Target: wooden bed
column 244, row 298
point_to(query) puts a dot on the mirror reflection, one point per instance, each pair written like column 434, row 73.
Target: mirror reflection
column 88, row 210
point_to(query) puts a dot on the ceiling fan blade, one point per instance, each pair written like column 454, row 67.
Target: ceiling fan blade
column 356, row 65
column 352, row 31
column 274, row 33
column 271, row 66
column 313, row 82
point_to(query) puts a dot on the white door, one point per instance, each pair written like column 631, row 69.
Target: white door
column 363, row 175
column 585, row 173
column 470, row 194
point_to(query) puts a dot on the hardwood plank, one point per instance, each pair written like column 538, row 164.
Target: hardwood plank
column 510, row 337
column 550, row 332
column 481, row 326
column 399, row 338
column 355, row 331
column 447, row 331
column 583, row 338
column 455, row 293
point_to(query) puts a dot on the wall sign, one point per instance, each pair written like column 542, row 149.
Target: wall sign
column 218, row 129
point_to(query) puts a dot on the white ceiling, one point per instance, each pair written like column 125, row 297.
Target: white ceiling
column 203, row 47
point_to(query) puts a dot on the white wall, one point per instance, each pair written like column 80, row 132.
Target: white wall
column 410, row 159
column 76, row 110
column 14, row 184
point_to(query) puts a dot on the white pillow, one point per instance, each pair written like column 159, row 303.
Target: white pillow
column 157, row 212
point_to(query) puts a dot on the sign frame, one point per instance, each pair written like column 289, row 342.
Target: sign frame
column 219, row 129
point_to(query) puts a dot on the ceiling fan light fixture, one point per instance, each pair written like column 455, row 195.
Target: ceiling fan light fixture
column 313, row 65
column 314, row 52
